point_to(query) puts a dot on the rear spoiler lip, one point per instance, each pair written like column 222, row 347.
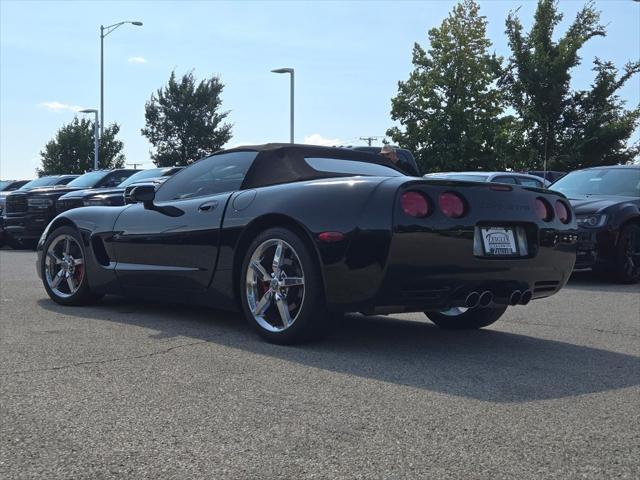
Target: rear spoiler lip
column 468, row 183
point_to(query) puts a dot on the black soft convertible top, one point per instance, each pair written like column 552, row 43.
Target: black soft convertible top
column 284, row 162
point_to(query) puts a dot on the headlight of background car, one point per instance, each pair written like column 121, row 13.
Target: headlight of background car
column 591, row 221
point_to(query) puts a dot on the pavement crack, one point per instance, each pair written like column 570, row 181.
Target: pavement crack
column 104, row 361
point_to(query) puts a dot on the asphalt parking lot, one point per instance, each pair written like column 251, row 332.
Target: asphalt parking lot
column 133, row 390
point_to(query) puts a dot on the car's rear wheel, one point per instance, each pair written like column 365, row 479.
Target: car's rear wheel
column 627, row 263
column 281, row 288
column 63, row 268
column 460, row 318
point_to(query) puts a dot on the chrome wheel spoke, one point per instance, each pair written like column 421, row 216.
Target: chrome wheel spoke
column 264, row 303
column 260, row 271
column 283, row 309
column 78, row 261
column 277, row 258
column 291, row 282
column 54, row 257
column 67, row 246
column 57, row 279
column 71, row 282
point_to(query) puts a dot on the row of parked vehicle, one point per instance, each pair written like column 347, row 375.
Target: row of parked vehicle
column 27, row 207
column 605, row 200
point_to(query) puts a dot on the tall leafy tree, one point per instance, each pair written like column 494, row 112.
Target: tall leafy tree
column 448, row 109
column 184, row 121
column 72, row 149
column 539, row 74
column 597, row 126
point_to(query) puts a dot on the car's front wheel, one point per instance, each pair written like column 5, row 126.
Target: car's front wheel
column 460, row 318
column 281, row 288
column 63, row 268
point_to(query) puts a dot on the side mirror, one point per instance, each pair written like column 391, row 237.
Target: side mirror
column 144, row 194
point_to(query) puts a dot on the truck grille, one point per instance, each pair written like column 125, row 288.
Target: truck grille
column 16, row 204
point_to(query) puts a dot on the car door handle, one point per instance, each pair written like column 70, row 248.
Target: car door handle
column 208, row 206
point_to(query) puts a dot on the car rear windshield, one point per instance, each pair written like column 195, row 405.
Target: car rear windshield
column 606, row 181
column 89, row 179
column 466, row 178
column 350, row 167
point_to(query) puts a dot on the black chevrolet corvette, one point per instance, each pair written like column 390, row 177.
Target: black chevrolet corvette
column 291, row 234
column 606, row 201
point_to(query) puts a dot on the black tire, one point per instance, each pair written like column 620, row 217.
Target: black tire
column 627, row 261
column 469, row 320
column 310, row 316
column 83, row 295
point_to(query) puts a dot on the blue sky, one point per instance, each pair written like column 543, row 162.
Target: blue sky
column 348, row 58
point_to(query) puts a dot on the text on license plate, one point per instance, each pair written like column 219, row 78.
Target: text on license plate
column 499, row 241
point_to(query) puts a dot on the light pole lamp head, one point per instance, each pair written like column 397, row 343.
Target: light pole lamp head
column 88, row 110
column 137, row 24
column 282, row 70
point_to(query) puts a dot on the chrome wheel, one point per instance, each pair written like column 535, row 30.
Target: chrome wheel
column 275, row 285
column 64, row 266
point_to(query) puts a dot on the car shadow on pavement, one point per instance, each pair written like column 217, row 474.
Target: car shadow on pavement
column 487, row 365
column 587, row 280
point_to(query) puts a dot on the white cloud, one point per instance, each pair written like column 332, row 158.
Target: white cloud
column 317, row 139
column 138, row 60
column 58, row 107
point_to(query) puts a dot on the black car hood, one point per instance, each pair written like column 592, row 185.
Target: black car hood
column 50, row 191
column 588, row 204
column 86, row 192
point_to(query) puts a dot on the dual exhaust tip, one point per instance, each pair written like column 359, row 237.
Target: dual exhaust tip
column 484, row 299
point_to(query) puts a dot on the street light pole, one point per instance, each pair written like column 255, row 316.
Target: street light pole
column 291, row 101
column 96, row 136
column 104, row 31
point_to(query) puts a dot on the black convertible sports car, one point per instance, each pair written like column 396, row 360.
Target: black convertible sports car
column 290, row 233
column 606, row 201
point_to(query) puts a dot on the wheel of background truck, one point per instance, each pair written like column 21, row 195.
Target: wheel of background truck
column 63, row 270
column 627, row 262
column 460, row 318
column 281, row 288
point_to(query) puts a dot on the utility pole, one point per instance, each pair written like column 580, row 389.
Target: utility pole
column 134, row 165
column 369, row 139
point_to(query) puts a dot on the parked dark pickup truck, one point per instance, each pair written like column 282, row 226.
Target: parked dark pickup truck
column 110, row 197
column 27, row 213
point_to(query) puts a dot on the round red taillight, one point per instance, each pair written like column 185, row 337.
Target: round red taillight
column 543, row 209
column 562, row 212
column 452, row 204
column 414, row 204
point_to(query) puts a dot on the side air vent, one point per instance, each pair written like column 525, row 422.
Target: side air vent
column 100, row 252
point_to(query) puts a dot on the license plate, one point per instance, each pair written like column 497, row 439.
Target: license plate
column 499, row 241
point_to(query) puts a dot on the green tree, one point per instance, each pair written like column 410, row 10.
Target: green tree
column 597, row 126
column 72, row 149
column 184, row 122
column 449, row 108
column 538, row 76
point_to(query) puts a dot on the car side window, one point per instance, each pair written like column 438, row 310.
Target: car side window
column 530, row 182
column 114, row 179
column 215, row 174
column 505, row 180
